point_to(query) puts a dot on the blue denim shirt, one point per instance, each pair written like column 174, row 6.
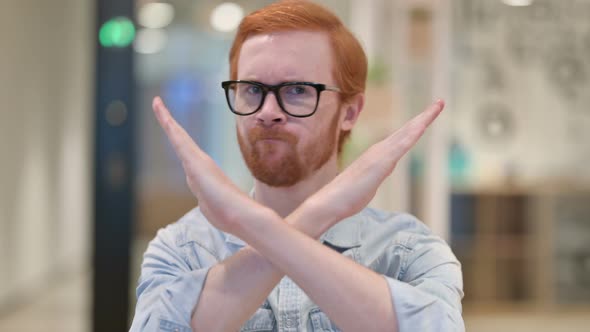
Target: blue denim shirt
column 424, row 277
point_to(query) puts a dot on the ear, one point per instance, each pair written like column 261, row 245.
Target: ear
column 351, row 111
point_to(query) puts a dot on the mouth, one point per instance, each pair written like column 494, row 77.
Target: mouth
column 272, row 135
column 270, row 140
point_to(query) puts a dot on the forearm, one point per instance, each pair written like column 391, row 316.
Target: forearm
column 238, row 285
column 241, row 283
column 354, row 297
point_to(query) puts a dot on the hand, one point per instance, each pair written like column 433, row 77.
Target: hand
column 220, row 200
column 354, row 188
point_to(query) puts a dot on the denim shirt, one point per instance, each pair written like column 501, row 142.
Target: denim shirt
column 424, row 277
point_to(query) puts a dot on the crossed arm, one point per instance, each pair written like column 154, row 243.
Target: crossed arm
column 349, row 293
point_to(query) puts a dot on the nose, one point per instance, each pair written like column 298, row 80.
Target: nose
column 270, row 113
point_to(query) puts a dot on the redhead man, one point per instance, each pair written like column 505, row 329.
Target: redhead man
column 302, row 252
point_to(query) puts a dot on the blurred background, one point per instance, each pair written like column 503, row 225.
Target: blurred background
column 88, row 177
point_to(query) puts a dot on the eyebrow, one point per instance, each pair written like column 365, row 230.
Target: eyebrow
column 279, row 82
column 285, row 78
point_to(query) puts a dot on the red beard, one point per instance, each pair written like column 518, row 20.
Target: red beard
column 289, row 168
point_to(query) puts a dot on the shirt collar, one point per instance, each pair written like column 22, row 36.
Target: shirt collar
column 345, row 234
column 234, row 240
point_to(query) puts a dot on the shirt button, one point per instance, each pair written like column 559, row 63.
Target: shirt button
column 289, row 322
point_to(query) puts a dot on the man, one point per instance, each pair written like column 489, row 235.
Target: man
column 301, row 252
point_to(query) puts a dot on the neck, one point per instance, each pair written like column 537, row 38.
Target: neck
column 284, row 200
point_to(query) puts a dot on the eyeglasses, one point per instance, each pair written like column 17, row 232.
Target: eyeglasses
column 298, row 99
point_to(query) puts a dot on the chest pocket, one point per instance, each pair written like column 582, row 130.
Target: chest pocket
column 262, row 320
column 320, row 322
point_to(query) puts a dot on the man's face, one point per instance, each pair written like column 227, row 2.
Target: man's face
column 281, row 150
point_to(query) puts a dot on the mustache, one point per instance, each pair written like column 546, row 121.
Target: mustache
column 261, row 133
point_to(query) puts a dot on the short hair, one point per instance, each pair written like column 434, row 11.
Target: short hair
column 349, row 59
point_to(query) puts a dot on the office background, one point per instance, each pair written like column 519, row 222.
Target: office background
column 88, row 177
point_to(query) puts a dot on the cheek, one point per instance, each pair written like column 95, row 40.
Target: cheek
column 328, row 101
column 241, row 126
column 316, row 134
column 330, row 108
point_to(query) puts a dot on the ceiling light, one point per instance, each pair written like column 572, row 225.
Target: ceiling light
column 518, row 3
column 155, row 15
column 226, row 17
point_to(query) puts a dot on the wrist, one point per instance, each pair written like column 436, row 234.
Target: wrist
column 312, row 218
column 254, row 223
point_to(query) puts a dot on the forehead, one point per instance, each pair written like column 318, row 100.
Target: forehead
column 286, row 56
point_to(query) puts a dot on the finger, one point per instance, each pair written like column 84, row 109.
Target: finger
column 430, row 113
column 183, row 144
column 407, row 136
column 424, row 119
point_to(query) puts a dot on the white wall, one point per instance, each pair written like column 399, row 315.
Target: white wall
column 46, row 108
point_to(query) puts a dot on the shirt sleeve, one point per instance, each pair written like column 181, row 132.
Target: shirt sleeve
column 428, row 295
column 168, row 288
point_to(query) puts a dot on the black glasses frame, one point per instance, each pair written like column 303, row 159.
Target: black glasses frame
column 275, row 89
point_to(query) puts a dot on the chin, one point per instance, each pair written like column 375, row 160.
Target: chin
column 280, row 173
column 272, row 178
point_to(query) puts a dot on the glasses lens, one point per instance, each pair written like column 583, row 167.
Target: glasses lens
column 244, row 98
column 299, row 100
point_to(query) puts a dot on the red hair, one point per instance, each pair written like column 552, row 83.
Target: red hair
column 350, row 61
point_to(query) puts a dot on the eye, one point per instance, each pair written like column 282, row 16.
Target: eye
column 298, row 90
column 254, row 89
